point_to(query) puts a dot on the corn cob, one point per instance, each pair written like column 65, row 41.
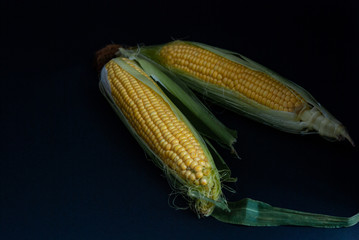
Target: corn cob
column 248, row 87
column 163, row 130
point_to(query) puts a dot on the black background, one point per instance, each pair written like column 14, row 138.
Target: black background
column 70, row 170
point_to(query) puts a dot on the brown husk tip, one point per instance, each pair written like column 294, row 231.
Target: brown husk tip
column 104, row 55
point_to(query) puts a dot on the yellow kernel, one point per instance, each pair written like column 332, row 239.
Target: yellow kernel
column 170, row 138
column 185, row 143
column 172, row 155
column 198, row 168
column 190, row 149
column 176, row 147
column 231, row 85
column 199, row 175
column 202, row 163
column 186, row 157
column 182, row 154
column 176, row 158
column 183, row 166
column 182, row 138
column 189, row 146
column 188, row 162
column 163, row 142
column 194, row 153
column 181, row 149
column 203, row 181
column 193, row 164
column 174, row 141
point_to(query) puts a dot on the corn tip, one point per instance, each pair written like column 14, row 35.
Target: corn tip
column 349, row 139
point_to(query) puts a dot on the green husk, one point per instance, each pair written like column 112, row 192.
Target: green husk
column 179, row 185
column 250, row 212
column 203, row 120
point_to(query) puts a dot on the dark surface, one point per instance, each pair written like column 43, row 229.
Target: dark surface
column 70, row 170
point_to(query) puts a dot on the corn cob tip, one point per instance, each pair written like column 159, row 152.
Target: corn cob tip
column 234, row 153
column 104, row 55
column 325, row 125
column 346, row 136
column 341, row 134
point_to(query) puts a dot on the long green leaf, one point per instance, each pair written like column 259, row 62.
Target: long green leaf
column 255, row 213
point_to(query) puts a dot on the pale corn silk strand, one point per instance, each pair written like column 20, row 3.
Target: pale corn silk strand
column 247, row 87
column 167, row 136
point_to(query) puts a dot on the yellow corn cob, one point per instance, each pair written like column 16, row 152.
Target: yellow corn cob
column 166, row 135
column 253, row 86
column 218, row 70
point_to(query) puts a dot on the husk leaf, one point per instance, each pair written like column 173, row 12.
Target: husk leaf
column 250, row 212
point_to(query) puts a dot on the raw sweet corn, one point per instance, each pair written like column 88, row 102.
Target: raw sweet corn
column 163, row 131
column 247, row 87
